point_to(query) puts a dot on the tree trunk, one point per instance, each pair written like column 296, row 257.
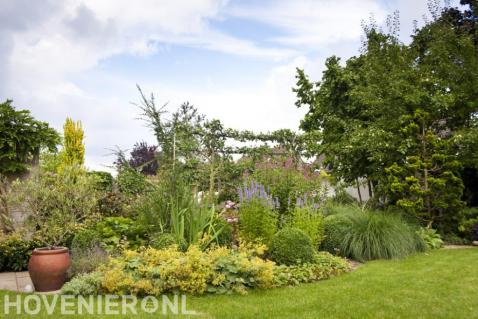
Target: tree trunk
column 5, row 222
column 211, row 183
column 425, row 175
column 370, row 191
column 358, row 190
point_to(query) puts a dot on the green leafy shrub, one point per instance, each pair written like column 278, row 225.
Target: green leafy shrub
column 197, row 224
column 291, row 246
column 114, row 231
column 84, row 285
column 468, row 227
column 85, row 239
column 73, row 152
column 162, row 240
column 310, row 221
column 335, row 228
column 58, row 203
column 225, row 237
column 216, row 270
column 103, row 180
column 257, row 221
column 454, row 239
column 130, row 181
column 114, row 204
column 431, row 238
column 15, row 251
column 367, row 235
column 322, row 267
column 154, row 208
column 238, row 272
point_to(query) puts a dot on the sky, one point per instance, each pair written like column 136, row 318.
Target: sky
column 234, row 60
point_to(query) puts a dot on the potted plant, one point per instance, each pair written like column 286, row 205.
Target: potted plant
column 48, row 265
column 57, row 205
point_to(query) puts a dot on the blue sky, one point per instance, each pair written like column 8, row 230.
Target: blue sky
column 235, row 60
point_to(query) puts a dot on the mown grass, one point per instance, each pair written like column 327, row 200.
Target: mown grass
column 440, row 284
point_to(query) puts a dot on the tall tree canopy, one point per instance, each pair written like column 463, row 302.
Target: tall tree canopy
column 21, row 138
column 401, row 115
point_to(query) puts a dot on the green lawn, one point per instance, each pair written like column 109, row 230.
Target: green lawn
column 441, row 284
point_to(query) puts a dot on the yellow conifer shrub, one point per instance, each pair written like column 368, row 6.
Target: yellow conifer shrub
column 73, row 148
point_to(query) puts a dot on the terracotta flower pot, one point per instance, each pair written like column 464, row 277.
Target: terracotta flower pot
column 48, row 267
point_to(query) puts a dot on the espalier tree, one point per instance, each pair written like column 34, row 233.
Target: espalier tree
column 197, row 148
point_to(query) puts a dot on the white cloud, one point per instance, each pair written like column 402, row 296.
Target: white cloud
column 46, row 45
column 80, row 33
column 267, row 106
column 313, row 23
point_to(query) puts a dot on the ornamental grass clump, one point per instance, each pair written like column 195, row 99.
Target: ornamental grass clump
column 375, row 235
column 368, row 235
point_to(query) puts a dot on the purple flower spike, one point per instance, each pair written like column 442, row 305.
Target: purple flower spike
column 254, row 190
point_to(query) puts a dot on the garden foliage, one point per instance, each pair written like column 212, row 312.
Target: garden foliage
column 57, row 203
column 258, row 220
column 367, row 235
column 84, row 285
column 402, row 116
column 289, row 181
column 431, row 238
column 104, row 180
column 117, row 232
column 323, row 266
column 335, row 228
column 130, row 181
column 21, row 139
column 217, row 270
column 162, row 240
column 310, row 221
column 468, row 226
column 291, row 246
column 15, row 251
